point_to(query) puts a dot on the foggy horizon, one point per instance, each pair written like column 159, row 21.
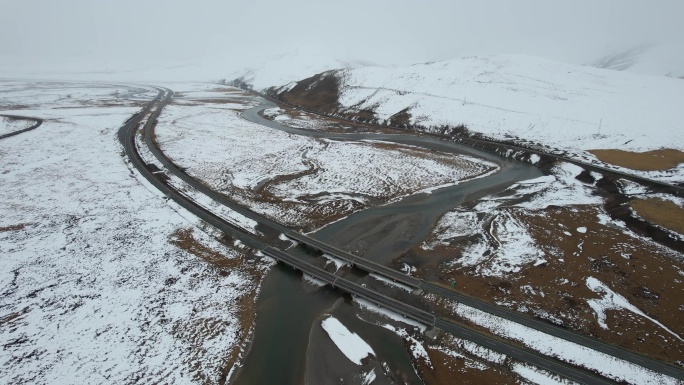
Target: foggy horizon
column 208, row 36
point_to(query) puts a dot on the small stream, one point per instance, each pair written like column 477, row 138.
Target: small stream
column 288, row 307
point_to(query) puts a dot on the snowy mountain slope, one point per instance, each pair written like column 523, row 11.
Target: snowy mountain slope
column 511, row 96
column 287, row 67
column 647, row 59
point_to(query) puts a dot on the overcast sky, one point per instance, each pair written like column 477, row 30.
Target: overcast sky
column 138, row 33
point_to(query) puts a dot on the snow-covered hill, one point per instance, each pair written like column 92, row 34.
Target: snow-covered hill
column 512, row 96
column 287, row 67
column 647, row 59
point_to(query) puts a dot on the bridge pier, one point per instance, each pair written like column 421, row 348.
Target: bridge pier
column 430, row 332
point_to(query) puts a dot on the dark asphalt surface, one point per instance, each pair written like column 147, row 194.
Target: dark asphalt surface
column 364, row 264
column 36, row 125
column 126, row 135
column 353, row 288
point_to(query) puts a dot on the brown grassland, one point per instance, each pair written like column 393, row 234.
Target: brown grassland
column 661, row 212
column 656, row 160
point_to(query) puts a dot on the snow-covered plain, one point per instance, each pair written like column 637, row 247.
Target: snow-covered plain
column 8, row 125
column 263, row 167
column 94, row 289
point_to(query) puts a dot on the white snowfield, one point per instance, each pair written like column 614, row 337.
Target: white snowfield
column 287, row 67
column 349, row 343
column 237, row 157
column 514, row 96
column 93, row 290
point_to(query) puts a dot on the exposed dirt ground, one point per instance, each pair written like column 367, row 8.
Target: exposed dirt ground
column 661, row 212
column 18, row 227
column 656, row 160
column 319, row 92
column 645, row 274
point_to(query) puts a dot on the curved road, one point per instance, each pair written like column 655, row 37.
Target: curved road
column 676, row 189
column 499, row 311
column 126, row 136
column 37, row 124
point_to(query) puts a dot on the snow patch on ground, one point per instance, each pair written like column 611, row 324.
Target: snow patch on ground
column 313, row 280
column 452, row 225
column 415, row 347
column 481, row 352
column 538, row 376
column 493, row 238
column 559, row 189
column 336, row 261
column 513, row 247
column 613, row 301
column 350, row 344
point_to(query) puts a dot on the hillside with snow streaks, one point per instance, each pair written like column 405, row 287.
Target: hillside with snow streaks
column 287, row 67
column 513, row 96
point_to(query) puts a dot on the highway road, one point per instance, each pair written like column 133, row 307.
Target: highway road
column 126, row 135
column 353, row 288
column 362, row 263
column 498, row 311
column 531, row 322
column 127, row 138
column 557, row 331
column 37, row 124
column 153, row 146
column 552, row 365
